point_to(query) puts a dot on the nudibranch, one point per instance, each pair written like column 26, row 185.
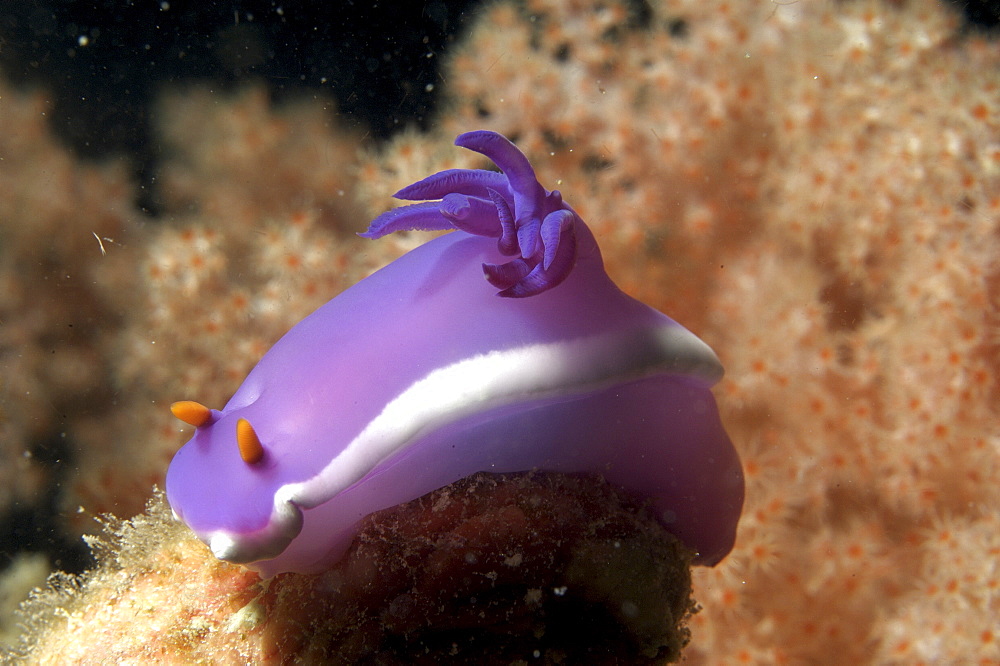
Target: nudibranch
column 425, row 373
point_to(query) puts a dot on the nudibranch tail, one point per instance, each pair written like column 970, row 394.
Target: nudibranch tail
column 512, row 206
column 191, row 412
column 251, row 450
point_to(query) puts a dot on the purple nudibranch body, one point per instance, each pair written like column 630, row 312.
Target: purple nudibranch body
column 425, row 373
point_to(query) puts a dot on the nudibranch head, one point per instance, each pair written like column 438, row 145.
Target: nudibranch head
column 420, row 375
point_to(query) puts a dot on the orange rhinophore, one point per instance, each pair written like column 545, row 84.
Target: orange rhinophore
column 251, row 450
column 191, row 412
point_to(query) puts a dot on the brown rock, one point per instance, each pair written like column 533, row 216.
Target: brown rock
column 524, row 568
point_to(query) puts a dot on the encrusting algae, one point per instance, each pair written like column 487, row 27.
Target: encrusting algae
column 813, row 187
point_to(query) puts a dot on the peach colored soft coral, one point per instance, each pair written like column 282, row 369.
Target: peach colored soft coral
column 61, row 222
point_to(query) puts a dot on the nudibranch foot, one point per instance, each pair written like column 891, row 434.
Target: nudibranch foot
column 419, row 376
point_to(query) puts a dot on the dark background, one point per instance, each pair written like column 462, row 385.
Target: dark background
column 104, row 61
column 376, row 58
